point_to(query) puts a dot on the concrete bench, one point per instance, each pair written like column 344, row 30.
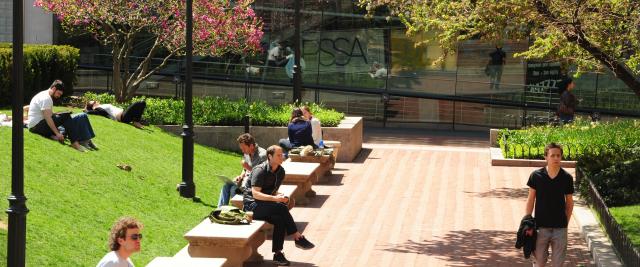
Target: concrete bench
column 302, row 174
column 236, row 243
column 186, row 261
column 286, row 189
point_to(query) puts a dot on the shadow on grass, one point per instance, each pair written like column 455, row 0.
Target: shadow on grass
column 484, row 248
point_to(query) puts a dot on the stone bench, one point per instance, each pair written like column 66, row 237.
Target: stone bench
column 302, row 174
column 186, row 261
column 286, row 189
column 236, row 243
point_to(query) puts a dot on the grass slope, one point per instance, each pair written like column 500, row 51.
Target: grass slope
column 628, row 217
column 74, row 197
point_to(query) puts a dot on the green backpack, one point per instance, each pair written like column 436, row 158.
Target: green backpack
column 228, row 215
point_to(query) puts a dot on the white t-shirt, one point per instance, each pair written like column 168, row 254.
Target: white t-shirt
column 112, row 110
column 40, row 102
column 112, row 260
column 316, row 130
column 274, row 53
column 380, row 73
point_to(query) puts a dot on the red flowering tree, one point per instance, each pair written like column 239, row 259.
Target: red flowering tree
column 219, row 27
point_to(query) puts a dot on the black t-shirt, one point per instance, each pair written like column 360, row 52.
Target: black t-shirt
column 497, row 57
column 263, row 177
column 550, row 197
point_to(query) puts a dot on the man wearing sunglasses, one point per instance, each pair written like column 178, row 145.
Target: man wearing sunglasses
column 124, row 240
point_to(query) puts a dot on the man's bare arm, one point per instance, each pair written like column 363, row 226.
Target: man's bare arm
column 531, row 200
column 48, row 117
column 569, row 205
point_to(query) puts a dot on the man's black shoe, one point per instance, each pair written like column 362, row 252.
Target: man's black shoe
column 280, row 260
column 303, row 243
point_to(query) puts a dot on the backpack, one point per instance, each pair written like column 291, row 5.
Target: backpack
column 228, row 215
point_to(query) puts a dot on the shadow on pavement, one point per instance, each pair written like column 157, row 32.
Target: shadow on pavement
column 481, row 248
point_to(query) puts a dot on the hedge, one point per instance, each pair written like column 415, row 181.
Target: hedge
column 219, row 111
column 42, row 65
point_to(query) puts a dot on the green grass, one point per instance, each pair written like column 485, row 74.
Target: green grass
column 74, row 197
column 629, row 218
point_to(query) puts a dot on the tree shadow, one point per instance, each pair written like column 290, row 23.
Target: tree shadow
column 267, row 262
column 483, row 248
column 503, row 193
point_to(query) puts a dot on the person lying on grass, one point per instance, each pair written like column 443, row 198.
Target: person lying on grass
column 133, row 113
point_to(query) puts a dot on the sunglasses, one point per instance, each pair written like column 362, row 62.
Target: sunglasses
column 136, row 237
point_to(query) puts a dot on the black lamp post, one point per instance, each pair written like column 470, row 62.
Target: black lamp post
column 297, row 70
column 187, row 188
column 17, row 208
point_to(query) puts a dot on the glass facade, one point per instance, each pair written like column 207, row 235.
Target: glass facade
column 371, row 68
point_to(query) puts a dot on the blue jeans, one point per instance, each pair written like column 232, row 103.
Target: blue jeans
column 80, row 128
column 226, row 193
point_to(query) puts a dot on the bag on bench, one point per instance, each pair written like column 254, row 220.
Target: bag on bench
column 228, row 215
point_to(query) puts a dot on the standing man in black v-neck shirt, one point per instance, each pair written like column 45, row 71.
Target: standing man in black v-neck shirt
column 551, row 191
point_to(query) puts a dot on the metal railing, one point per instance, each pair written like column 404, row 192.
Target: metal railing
column 629, row 254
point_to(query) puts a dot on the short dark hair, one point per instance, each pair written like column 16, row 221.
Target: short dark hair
column 272, row 150
column 89, row 105
column 551, row 146
column 119, row 230
column 246, row 139
column 58, row 85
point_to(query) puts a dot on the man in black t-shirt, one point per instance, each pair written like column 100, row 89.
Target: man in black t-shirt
column 551, row 191
column 262, row 198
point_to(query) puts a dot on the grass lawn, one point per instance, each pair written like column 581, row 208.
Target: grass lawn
column 629, row 218
column 74, row 197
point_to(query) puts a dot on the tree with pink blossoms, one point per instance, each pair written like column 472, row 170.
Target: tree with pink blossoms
column 219, row 27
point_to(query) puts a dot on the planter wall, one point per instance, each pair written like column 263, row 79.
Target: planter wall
column 349, row 133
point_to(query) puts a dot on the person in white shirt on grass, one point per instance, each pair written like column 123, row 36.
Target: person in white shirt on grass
column 133, row 113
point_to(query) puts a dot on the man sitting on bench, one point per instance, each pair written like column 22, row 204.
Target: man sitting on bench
column 262, row 198
column 253, row 155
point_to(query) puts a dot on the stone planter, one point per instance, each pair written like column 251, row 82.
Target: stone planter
column 349, row 133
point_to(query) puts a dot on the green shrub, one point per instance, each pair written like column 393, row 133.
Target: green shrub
column 614, row 173
column 221, row 111
column 42, row 65
column 578, row 138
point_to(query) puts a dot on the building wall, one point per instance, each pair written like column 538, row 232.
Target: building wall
column 38, row 25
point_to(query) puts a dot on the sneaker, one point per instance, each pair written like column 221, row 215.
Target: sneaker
column 92, row 145
column 280, row 260
column 303, row 243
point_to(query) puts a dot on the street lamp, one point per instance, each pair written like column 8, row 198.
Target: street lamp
column 17, row 210
column 187, row 188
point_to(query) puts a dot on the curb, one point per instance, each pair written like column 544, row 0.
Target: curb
column 597, row 241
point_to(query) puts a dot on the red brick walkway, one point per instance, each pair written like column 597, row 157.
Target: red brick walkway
column 418, row 199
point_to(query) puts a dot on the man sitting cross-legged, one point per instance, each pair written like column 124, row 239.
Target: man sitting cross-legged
column 262, row 198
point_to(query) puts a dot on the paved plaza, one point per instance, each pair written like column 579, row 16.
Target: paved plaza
column 418, row 198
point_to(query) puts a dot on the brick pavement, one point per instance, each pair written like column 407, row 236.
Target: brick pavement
column 418, row 199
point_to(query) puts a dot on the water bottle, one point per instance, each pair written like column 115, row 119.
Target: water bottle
column 321, row 144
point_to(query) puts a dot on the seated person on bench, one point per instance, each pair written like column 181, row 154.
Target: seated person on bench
column 133, row 113
column 253, row 155
column 262, row 198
